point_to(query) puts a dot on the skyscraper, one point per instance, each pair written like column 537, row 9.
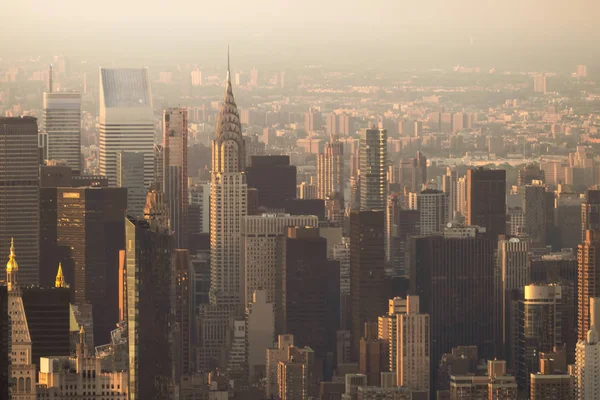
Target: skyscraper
column 175, row 186
column 260, row 329
column 330, row 169
column 588, row 279
column 260, row 236
column 274, row 178
column 183, row 311
column 539, row 328
column 373, row 167
column 20, row 194
column 432, row 208
column 413, row 347
column 228, row 195
column 62, row 124
column 367, row 271
column 586, row 373
column 130, row 175
column 310, row 290
column 486, row 200
column 148, row 287
column 514, row 266
column 534, row 209
column 126, row 119
column 454, row 276
column 539, row 83
column 48, row 318
column 90, row 226
column 590, row 212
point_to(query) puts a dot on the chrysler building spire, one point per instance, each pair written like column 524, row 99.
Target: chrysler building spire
column 229, row 152
column 228, row 192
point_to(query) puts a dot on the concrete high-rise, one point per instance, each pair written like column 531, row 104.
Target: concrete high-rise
column 260, row 333
column 4, row 344
column 432, row 208
column 175, row 185
column 486, row 200
column 21, row 368
column 539, row 83
column 588, row 279
column 413, row 347
column 373, row 167
column 62, row 124
column 373, row 359
column 20, row 194
column 228, row 204
column 126, row 119
column 260, row 235
column 330, row 169
column 590, row 212
column 586, row 372
column 368, row 294
column 514, row 266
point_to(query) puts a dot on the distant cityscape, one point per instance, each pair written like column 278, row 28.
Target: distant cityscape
column 200, row 232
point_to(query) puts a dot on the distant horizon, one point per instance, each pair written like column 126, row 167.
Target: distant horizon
column 428, row 33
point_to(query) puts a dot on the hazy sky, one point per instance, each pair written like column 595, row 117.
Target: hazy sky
column 367, row 27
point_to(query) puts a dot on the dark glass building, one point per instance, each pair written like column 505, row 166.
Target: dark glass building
column 486, row 200
column 310, row 290
column 455, row 280
column 20, row 191
column 274, row 178
column 368, row 293
column 148, row 285
column 90, row 225
column 305, row 207
column 48, row 318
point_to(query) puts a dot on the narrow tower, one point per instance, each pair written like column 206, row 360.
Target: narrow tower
column 227, row 203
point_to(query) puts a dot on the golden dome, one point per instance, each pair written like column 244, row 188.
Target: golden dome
column 12, row 265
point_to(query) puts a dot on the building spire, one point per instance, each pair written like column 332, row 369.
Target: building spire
column 60, row 278
column 12, row 267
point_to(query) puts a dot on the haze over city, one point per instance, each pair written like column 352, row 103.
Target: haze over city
column 300, row 200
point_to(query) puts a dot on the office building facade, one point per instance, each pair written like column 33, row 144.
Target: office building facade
column 19, row 202
column 367, row 272
column 62, row 124
column 175, row 184
column 486, row 200
column 126, row 119
column 148, row 307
